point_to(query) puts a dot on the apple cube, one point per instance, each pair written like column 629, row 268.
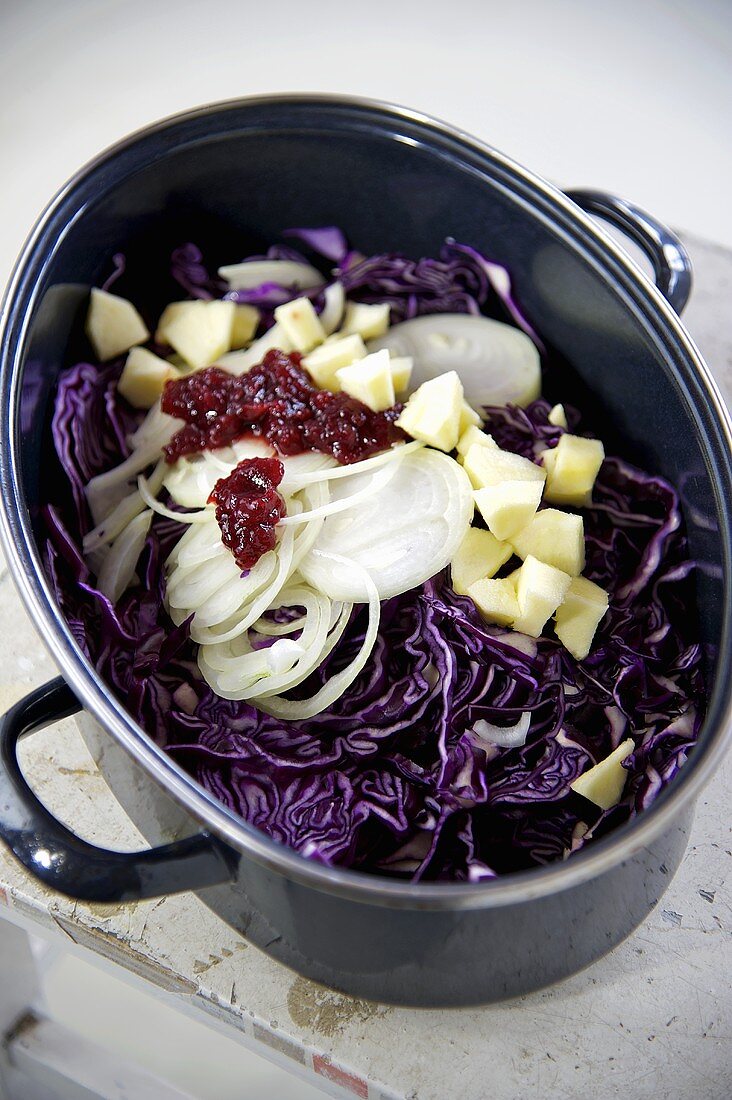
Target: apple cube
column 604, row 783
column 301, row 324
column 113, row 325
column 487, row 465
column 369, row 381
column 432, row 413
column 469, row 418
column 572, row 471
column 366, row 320
column 507, row 508
column 324, row 362
column 557, row 416
column 496, row 600
column 246, row 319
column 540, row 589
column 169, row 314
column 401, row 371
column 473, row 434
column 201, row 332
column 578, row 617
column 143, row 378
column 479, row 555
column 554, row 537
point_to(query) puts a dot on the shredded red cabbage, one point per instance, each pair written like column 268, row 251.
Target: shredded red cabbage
column 394, row 779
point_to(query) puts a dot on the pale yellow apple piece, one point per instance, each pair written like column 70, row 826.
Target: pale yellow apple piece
column 540, row 588
column 143, row 378
column 432, row 413
column 604, row 783
column 113, row 325
column 557, row 416
column 507, row 508
column 401, row 372
column 469, row 418
column 579, row 616
column 496, row 600
column 474, row 435
column 487, row 465
column 169, row 314
column 301, row 324
column 369, row 380
column 554, row 537
column 246, row 319
column 573, row 469
column 324, row 362
column 368, row 321
column 201, row 332
column 479, row 555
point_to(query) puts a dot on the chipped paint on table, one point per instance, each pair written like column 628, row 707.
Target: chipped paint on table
column 653, row 1018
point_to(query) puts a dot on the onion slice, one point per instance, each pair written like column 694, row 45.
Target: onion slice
column 497, row 364
column 506, row 737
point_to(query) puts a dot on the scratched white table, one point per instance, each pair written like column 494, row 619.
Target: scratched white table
column 652, row 1019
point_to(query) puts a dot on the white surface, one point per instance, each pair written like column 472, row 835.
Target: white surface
column 626, row 96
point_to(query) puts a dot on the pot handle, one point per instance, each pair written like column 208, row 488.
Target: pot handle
column 64, row 862
column 668, row 257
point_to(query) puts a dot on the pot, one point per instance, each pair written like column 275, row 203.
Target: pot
column 393, row 179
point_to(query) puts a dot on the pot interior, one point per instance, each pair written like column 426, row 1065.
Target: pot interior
column 231, row 179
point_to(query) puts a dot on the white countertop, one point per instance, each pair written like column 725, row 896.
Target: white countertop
column 652, row 1019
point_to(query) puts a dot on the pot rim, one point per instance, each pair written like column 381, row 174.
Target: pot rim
column 17, row 540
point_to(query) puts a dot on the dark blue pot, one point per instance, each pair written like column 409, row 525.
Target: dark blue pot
column 232, row 176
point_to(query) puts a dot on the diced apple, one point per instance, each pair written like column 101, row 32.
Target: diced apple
column 573, row 469
column 432, row 413
column 113, row 325
column 401, row 372
column 201, row 332
column 479, row 555
column 469, row 418
column 604, row 783
column 540, row 589
column 169, row 314
column 323, row 363
column 490, row 466
column 369, row 380
column 143, row 378
column 554, row 537
column 246, row 319
column 368, row 321
column 579, row 615
column 473, row 434
column 301, row 324
column 507, row 508
column 557, row 416
column 496, row 600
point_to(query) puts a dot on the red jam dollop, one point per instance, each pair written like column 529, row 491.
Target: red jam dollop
column 248, row 507
column 277, row 401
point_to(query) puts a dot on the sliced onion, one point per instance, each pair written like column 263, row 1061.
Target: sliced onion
column 497, row 363
column 297, row 481
column 129, row 507
column 506, row 737
column 335, row 303
column 287, row 273
column 156, row 430
column 400, row 537
column 203, row 515
column 374, row 483
column 120, row 563
column 294, row 710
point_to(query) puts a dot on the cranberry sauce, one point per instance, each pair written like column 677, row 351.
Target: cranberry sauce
column 277, row 401
column 247, row 508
